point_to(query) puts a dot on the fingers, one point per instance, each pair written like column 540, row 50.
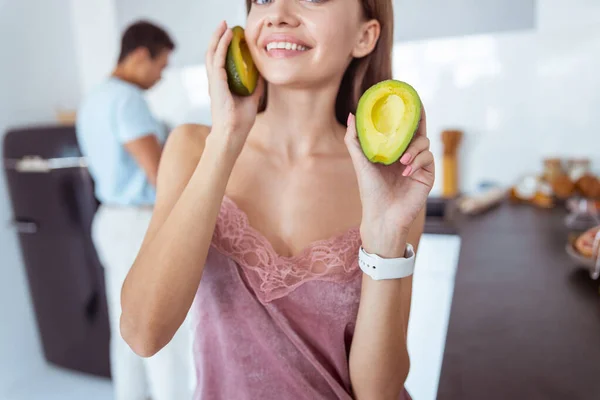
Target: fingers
column 418, row 145
column 215, row 59
column 422, row 128
column 423, row 160
column 351, row 139
column 350, row 129
column 417, row 155
column 214, row 42
column 365, row 171
column 221, row 52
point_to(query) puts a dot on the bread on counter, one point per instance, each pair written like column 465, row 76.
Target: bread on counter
column 589, row 186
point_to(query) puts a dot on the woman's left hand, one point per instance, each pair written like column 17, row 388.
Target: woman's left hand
column 392, row 196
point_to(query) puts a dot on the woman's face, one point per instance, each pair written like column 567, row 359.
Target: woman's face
column 306, row 42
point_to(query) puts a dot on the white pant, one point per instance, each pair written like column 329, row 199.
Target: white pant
column 118, row 233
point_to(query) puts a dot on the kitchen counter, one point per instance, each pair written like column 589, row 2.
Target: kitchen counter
column 524, row 322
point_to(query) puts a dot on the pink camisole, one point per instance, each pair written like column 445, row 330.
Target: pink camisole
column 273, row 327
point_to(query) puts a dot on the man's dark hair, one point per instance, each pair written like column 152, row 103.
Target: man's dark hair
column 147, row 35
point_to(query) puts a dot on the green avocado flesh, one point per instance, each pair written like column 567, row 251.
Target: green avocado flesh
column 387, row 117
column 242, row 75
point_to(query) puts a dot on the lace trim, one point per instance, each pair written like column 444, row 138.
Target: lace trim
column 273, row 276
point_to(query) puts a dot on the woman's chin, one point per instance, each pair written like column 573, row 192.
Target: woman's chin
column 288, row 79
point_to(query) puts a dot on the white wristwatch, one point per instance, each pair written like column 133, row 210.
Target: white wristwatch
column 379, row 268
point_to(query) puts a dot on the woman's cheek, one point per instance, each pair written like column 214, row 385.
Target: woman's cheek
column 252, row 28
column 252, row 39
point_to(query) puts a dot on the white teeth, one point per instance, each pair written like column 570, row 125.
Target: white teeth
column 285, row 46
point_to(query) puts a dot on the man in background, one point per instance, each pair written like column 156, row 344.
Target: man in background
column 122, row 143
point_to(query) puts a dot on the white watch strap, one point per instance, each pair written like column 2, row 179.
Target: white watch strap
column 380, row 268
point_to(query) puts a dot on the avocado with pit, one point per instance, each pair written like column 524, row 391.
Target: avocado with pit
column 242, row 75
column 387, row 117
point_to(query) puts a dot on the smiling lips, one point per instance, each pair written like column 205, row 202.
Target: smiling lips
column 285, row 46
column 282, row 46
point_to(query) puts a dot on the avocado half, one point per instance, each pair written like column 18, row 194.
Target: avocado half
column 242, row 75
column 387, row 117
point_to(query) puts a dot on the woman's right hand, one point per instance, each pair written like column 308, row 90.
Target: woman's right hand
column 232, row 116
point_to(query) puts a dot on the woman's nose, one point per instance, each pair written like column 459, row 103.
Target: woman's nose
column 282, row 13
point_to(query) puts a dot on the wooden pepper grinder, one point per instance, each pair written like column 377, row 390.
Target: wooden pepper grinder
column 451, row 140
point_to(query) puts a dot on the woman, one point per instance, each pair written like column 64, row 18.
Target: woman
column 270, row 211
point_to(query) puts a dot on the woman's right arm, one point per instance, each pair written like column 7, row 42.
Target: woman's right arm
column 195, row 168
column 160, row 286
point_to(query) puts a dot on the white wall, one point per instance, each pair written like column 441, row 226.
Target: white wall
column 518, row 96
column 37, row 75
column 96, row 38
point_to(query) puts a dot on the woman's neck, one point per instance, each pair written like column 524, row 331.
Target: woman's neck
column 298, row 122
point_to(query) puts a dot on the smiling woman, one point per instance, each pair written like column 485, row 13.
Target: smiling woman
column 361, row 72
column 261, row 219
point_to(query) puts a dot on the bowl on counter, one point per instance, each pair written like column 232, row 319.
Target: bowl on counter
column 584, row 249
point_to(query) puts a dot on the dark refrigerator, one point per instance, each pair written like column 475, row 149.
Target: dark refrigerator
column 53, row 205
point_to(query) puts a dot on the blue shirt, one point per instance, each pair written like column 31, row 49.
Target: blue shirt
column 113, row 114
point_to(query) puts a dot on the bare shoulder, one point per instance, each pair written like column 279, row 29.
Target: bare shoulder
column 186, row 141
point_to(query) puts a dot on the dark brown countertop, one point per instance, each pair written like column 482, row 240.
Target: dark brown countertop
column 524, row 323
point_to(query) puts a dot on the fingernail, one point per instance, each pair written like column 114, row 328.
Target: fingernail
column 405, row 159
column 407, row 171
column 348, row 120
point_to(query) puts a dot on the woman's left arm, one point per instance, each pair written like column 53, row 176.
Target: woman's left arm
column 393, row 199
column 379, row 360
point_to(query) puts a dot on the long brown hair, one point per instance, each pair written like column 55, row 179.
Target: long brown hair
column 362, row 73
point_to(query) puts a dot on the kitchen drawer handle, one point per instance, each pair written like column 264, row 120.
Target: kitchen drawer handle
column 36, row 164
column 27, row 227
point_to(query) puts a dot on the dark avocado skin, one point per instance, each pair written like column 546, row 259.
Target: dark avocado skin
column 233, row 77
column 231, row 66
